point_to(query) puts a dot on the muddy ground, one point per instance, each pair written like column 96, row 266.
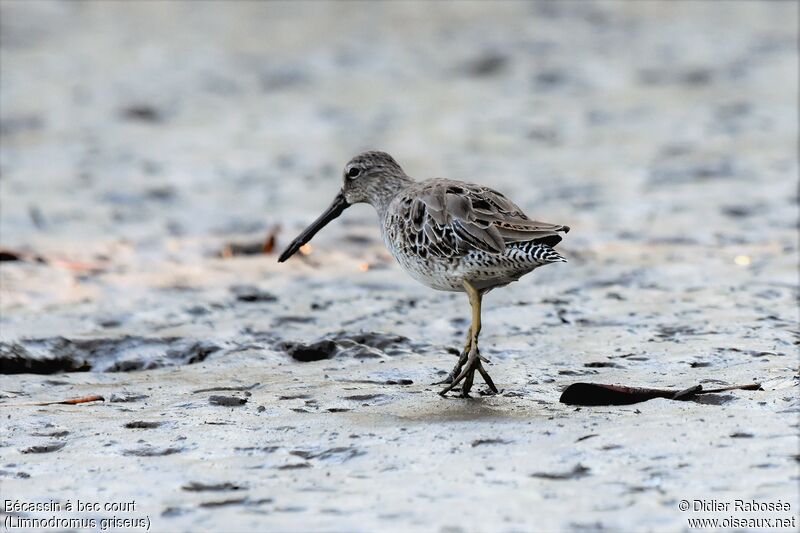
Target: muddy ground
column 149, row 151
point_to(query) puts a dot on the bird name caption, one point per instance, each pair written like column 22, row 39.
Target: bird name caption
column 753, row 514
column 56, row 515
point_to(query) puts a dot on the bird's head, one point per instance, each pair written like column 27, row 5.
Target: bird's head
column 366, row 175
column 371, row 177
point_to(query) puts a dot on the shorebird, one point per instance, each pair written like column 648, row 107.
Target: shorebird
column 447, row 234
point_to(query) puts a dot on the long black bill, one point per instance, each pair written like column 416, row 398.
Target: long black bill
column 336, row 208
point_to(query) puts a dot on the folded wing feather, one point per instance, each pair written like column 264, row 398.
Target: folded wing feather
column 476, row 217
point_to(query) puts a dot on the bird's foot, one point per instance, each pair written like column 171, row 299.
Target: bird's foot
column 451, row 376
column 466, row 371
column 487, row 378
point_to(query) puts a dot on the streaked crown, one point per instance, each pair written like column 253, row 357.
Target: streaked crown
column 373, row 177
column 370, row 164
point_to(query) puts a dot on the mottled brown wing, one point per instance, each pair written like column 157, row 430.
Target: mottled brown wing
column 508, row 218
column 452, row 218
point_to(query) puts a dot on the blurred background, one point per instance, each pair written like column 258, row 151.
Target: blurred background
column 145, row 143
column 150, row 120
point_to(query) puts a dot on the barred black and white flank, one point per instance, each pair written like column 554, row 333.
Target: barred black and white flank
column 447, row 234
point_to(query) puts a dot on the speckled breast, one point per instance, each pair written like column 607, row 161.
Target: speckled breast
column 435, row 272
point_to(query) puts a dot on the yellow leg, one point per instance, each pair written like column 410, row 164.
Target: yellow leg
column 475, row 298
column 468, row 341
column 473, row 356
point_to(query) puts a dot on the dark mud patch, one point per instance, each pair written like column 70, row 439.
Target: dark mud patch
column 602, row 364
column 370, row 399
column 399, row 381
column 294, row 466
column 284, row 320
column 56, row 382
column 149, row 451
column 485, row 442
column 486, row 65
column 252, row 294
column 389, row 381
column 104, row 354
column 142, row 424
column 236, row 501
column 387, row 343
column 196, row 486
column 228, row 388
column 675, row 333
column 265, row 449
column 10, row 255
column 365, row 345
column 18, row 475
column 170, row 512
column 339, row 454
column 44, row 448
column 577, row 472
column 576, row 372
column 17, row 359
column 364, row 397
column 741, row 211
column 144, row 113
column 56, row 433
column 713, row 399
column 227, row 401
column 295, row 397
column 223, row 503
column 306, row 353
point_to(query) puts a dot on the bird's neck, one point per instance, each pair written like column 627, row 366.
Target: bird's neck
column 384, row 191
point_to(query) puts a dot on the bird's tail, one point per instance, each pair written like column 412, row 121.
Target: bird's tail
column 548, row 255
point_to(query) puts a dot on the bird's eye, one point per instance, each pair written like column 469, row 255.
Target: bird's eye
column 353, row 172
